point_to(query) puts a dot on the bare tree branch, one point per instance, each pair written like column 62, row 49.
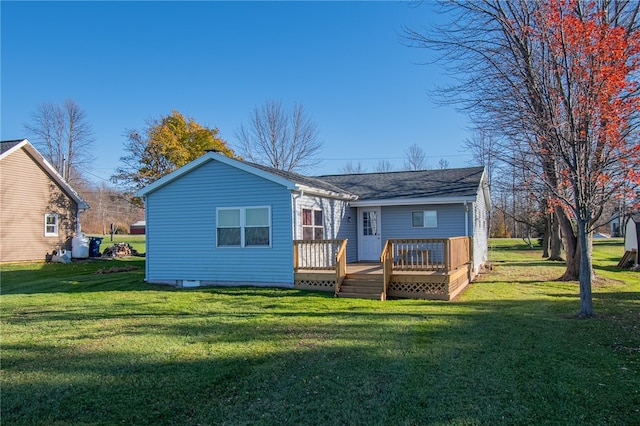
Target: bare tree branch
column 63, row 134
column 277, row 138
column 414, row 158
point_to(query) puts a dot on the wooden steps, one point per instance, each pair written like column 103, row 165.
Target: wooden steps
column 362, row 286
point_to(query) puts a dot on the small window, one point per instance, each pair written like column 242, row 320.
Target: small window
column 244, row 227
column 229, row 228
column 256, row 224
column 312, row 224
column 50, row 225
column 424, row 219
column 369, row 223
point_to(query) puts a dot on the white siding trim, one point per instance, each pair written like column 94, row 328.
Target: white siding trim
column 411, row 201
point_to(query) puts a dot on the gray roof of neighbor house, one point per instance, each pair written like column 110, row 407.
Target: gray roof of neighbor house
column 463, row 182
column 7, row 145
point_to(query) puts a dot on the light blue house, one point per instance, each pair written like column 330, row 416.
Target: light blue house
column 222, row 221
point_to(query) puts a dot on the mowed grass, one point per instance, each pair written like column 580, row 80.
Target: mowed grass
column 135, row 241
column 85, row 348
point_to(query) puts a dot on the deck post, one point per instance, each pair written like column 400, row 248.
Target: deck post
column 341, row 264
column 387, row 265
column 447, row 255
column 470, row 242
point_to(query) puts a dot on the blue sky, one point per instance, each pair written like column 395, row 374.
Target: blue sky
column 126, row 62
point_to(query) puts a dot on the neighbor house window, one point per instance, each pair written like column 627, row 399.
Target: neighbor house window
column 244, row 227
column 424, row 219
column 312, row 225
column 50, row 225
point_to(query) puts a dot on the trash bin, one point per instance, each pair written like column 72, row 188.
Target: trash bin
column 94, row 246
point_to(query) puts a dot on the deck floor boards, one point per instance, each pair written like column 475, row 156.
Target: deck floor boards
column 372, row 268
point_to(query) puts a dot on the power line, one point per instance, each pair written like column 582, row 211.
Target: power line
column 392, row 158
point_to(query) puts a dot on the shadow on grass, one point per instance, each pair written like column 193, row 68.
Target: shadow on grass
column 82, row 276
column 519, row 246
column 532, row 263
column 611, row 268
column 628, row 296
column 489, row 362
column 619, row 242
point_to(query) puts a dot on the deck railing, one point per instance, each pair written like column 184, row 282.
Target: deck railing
column 316, row 254
column 387, row 267
column 460, row 252
column 440, row 254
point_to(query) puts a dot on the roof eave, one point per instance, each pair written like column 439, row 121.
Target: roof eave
column 412, row 201
column 325, row 193
column 212, row 156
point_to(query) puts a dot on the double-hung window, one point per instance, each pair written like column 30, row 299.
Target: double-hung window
column 424, row 219
column 243, row 226
column 312, row 225
column 50, row 225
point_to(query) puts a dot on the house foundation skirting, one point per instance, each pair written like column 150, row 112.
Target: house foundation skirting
column 207, row 283
column 412, row 285
column 439, row 286
column 319, row 281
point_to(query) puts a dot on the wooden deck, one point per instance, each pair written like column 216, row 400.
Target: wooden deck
column 366, row 280
column 409, row 268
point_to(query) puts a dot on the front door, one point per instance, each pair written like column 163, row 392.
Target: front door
column 369, row 235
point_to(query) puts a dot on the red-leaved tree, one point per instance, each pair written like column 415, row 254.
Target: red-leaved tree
column 591, row 64
column 557, row 80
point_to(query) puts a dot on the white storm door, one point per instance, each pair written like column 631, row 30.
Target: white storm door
column 369, row 235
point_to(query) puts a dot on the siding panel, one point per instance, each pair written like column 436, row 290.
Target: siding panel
column 480, row 231
column 27, row 194
column 181, row 229
column 336, row 214
column 396, row 222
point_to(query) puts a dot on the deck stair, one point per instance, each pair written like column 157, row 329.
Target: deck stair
column 363, row 284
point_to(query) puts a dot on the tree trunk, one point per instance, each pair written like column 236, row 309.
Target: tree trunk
column 570, row 241
column 555, row 240
column 586, row 271
column 546, row 236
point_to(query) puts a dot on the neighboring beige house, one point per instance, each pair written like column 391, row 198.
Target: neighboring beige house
column 38, row 209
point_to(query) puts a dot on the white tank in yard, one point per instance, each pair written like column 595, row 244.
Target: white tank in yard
column 80, row 246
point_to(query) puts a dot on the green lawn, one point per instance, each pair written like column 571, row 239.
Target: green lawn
column 85, row 348
column 136, row 241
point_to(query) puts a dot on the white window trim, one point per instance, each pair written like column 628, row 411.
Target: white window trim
column 424, row 217
column 55, row 226
column 243, row 226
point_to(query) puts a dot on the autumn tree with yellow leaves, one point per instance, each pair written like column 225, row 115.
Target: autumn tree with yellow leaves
column 165, row 145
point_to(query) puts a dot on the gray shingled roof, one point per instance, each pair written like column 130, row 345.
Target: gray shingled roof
column 7, row 145
column 463, row 182
column 312, row 182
